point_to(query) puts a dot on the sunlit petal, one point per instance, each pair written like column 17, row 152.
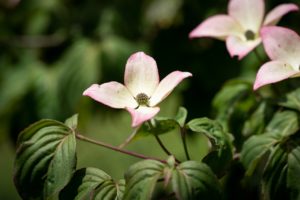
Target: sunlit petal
column 282, row 44
column 166, row 86
column 276, row 14
column 249, row 13
column 141, row 74
column 238, row 47
column 218, row 26
column 142, row 114
column 112, row 94
column 272, row 72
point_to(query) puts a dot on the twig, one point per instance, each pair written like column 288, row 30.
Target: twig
column 183, row 138
column 108, row 146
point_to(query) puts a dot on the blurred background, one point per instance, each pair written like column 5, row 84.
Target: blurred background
column 52, row 50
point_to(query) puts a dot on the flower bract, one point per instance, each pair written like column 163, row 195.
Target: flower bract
column 283, row 48
column 240, row 28
column 142, row 90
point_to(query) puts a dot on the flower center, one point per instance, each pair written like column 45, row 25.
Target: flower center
column 142, row 99
column 250, row 35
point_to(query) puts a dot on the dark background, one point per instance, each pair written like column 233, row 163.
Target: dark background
column 52, row 50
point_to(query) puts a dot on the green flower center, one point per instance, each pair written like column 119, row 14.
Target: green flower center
column 250, row 35
column 142, row 99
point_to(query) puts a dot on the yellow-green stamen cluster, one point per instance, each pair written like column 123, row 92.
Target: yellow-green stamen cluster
column 250, row 35
column 142, row 99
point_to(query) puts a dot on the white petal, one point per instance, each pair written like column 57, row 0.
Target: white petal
column 276, row 14
column 282, row 44
column 249, row 13
column 272, row 72
column 218, row 26
column 238, row 47
column 141, row 74
column 166, row 86
column 142, row 114
column 112, row 94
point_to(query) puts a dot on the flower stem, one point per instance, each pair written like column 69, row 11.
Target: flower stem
column 259, row 58
column 164, row 148
column 162, row 145
column 108, row 146
column 183, row 134
column 129, row 139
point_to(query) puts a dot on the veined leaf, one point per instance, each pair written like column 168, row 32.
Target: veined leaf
column 141, row 179
column 293, row 173
column 162, row 125
column 195, row 180
column 187, row 180
column 222, row 149
column 45, row 160
column 275, row 174
column 72, row 122
column 233, row 103
column 181, row 116
column 256, row 123
column 283, row 124
column 93, row 183
column 291, row 100
column 159, row 125
column 254, row 149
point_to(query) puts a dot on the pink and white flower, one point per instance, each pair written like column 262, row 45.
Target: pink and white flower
column 283, row 48
column 142, row 90
column 240, row 28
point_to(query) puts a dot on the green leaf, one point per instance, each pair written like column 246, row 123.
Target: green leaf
column 275, row 174
column 141, row 179
column 45, row 91
column 180, row 185
column 195, row 180
column 257, row 121
column 181, row 116
column 93, row 183
column 222, row 148
column 283, row 124
column 158, row 126
column 12, row 97
column 254, row 149
column 233, row 103
column 291, row 100
column 72, row 122
column 162, row 125
column 293, row 173
column 187, row 180
column 45, row 160
column 79, row 68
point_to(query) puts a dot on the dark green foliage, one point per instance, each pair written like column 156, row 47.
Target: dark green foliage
column 279, row 144
column 52, row 50
column 187, row 180
column 45, row 160
column 161, row 125
column 93, row 183
column 221, row 151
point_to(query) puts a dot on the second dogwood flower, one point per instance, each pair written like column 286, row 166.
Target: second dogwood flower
column 240, row 28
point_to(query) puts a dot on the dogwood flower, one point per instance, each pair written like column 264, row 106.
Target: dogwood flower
column 240, row 28
column 282, row 45
column 142, row 90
